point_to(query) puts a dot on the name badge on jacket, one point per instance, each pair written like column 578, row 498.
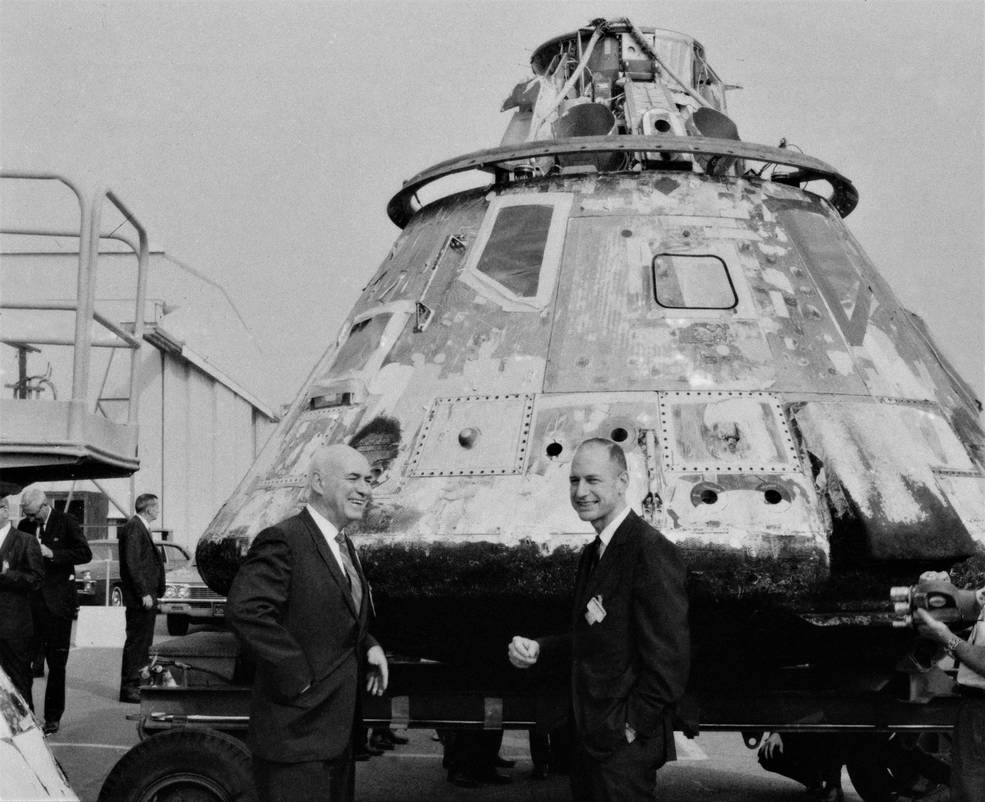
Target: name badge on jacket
column 595, row 612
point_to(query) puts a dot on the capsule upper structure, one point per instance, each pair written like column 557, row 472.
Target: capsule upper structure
column 633, row 271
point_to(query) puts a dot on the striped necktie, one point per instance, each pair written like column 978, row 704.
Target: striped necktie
column 355, row 586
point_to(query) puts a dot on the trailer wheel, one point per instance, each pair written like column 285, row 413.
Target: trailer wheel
column 178, row 624
column 182, row 765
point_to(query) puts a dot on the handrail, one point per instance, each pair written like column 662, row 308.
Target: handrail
column 89, row 238
column 66, row 306
column 844, row 196
column 143, row 255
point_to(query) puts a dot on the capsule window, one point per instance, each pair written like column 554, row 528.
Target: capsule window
column 362, row 341
column 518, row 249
column 692, row 281
column 515, row 249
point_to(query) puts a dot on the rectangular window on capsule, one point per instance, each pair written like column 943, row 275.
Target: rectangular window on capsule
column 514, row 260
column 692, row 281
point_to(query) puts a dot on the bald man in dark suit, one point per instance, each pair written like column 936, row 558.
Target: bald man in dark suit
column 300, row 607
column 629, row 646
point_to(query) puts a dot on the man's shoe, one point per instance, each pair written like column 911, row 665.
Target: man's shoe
column 540, row 772
column 495, row 778
column 462, row 779
column 130, row 695
column 503, row 763
column 377, row 741
column 389, row 735
column 50, row 727
column 365, row 753
column 371, row 750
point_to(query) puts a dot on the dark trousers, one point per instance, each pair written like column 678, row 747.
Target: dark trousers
column 15, row 659
column 629, row 774
column 136, row 649
column 311, row 781
column 471, row 754
column 968, row 752
column 53, row 637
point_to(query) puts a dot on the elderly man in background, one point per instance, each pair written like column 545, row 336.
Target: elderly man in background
column 300, row 606
column 629, row 644
column 21, row 571
column 142, row 575
column 63, row 546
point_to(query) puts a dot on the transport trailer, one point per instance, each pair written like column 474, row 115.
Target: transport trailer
column 193, row 719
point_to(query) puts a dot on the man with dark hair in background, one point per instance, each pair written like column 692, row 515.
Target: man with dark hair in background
column 53, row 605
column 21, row 572
column 628, row 648
column 142, row 576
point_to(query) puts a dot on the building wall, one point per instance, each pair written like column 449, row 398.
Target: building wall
column 197, row 439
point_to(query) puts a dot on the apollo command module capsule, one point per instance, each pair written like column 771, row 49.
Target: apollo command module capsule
column 636, row 271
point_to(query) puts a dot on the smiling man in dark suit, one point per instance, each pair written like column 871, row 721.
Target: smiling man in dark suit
column 63, row 546
column 21, row 571
column 629, row 647
column 142, row 577
column 300, row 605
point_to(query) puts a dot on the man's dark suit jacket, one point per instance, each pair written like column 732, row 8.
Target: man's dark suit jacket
column 141, row 566
column 23, row 554
column 69, row 547
column 632, row 666
column 291, row 608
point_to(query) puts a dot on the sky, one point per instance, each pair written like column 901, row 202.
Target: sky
column 259, row 142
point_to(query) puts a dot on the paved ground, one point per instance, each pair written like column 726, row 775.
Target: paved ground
column 716, row 767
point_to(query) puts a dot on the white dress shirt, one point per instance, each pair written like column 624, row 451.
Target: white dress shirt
column 606, row 534
column 3, row 533
column 328, row 530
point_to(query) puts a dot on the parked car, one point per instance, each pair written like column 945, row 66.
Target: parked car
column 98, row 582
column 187, row 598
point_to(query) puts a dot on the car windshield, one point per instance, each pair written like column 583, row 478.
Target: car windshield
column 174, row 556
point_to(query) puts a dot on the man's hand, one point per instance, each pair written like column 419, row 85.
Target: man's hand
column 46, row 552
column 930, row 627
column 378, row 673
column 147, row 601
column 772, row 746
column 523, row 652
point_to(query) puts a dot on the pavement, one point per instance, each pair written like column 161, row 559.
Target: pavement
column 95, row 734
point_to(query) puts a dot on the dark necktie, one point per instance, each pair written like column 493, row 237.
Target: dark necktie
column 595, row 556
column 355, row 586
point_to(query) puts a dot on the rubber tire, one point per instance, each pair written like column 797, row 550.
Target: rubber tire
column 186, row 763
column 178, row 624
column 116, row 596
